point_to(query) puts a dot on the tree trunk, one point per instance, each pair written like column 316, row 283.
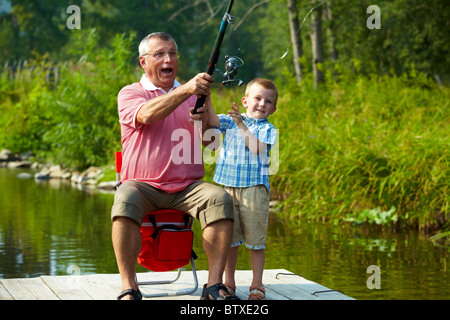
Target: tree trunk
column 317, row 46
column 330, row 31
column 296, row 40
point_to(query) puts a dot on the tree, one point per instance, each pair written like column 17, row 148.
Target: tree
column 331, row 31
column 317, row 45
column 41, row 26
column 296, row 40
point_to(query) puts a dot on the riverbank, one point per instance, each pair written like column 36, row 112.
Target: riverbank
column 93, row 177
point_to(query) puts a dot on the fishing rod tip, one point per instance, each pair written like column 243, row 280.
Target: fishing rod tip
column 284, row 55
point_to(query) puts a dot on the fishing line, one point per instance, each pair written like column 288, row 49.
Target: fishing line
column 290, row 43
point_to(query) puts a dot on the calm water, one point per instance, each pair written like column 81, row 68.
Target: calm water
column 52, row 228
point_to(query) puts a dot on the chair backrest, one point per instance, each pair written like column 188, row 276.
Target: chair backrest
column 118, row 166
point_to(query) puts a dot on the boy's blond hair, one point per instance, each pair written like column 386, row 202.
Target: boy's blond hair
column 267, row 84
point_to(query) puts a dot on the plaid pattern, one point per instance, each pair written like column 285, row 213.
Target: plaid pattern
column 237, row 166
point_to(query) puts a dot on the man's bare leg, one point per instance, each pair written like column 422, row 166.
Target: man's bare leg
column 126, row 239
column 216, row 243
column 230, row 267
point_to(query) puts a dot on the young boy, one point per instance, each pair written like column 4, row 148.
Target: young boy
column 243, row 169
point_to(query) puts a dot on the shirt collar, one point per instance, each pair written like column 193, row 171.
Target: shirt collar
column 148, row 85
column 252, row 120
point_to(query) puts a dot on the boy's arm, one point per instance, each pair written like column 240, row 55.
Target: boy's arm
column 213, row 119
column 254, row 145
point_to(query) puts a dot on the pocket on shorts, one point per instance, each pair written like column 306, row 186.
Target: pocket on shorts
column 263, row 192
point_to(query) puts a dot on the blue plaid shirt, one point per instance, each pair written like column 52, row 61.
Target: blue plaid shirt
column 237, row 166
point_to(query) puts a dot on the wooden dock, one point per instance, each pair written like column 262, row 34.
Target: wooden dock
column 280, row 285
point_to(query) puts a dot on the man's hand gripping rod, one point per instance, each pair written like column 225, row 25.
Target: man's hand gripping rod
column 216, row 51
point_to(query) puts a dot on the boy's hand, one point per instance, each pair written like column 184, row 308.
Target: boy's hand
column 235, row 114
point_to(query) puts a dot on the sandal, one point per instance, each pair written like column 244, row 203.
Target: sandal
column 257, row 293
column 231, row 289
column 135, row 294
column 213, row 292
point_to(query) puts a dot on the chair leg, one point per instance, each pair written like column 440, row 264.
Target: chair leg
column 144, row 283
column 177, row 293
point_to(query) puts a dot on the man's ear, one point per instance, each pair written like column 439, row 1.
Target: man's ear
column 142, row 62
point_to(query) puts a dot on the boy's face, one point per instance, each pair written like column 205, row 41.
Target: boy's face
column 259, row 102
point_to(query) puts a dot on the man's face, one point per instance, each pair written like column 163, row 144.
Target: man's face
column 160, row 63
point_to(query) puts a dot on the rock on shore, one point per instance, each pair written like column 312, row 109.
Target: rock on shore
column 89, row 177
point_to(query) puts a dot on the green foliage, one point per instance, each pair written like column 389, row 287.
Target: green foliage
column 374, row 135
column 361, row 143
column 74, row 122
column 412, row 32
column 374, row 216
column 364, row 143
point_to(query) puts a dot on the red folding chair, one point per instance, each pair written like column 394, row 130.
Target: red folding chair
column 167, row 240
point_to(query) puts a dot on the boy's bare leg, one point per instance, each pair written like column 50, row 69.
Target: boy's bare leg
column 258, row 257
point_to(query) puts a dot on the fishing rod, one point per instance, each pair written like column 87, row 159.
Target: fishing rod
column 227, row 18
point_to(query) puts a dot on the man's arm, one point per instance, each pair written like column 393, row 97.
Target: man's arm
column 160, row 107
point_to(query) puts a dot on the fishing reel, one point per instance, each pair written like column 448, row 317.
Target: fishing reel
column 232, row 64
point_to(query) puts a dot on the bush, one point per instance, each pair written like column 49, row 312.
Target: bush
column 362, row 143
column 73, row 122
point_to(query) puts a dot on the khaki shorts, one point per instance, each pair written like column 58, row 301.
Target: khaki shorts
column 251, row 216
column 204, row 201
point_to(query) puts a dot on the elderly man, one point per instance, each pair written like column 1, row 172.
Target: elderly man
column 153, row 176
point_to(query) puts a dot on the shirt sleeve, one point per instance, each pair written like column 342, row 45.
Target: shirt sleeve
column 267, row 134
column 225, row 122
column 129, row 101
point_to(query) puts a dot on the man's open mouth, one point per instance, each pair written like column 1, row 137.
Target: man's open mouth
column 167, row 70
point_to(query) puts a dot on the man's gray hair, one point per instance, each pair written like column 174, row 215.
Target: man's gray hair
column 143, row 46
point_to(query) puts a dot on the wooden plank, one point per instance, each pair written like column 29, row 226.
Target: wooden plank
column 244, row 280
column 101, row 286
column 310, row 287
column 4, row 294
column 108, row 286
column 29, row 289
column 67, row 287
column 287, row 288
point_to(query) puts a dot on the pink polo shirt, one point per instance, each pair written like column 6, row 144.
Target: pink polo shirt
column 165, row 154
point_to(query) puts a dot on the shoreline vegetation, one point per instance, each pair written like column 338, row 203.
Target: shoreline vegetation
column 361, row 148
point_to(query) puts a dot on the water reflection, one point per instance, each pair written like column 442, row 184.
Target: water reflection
column 52, row 228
